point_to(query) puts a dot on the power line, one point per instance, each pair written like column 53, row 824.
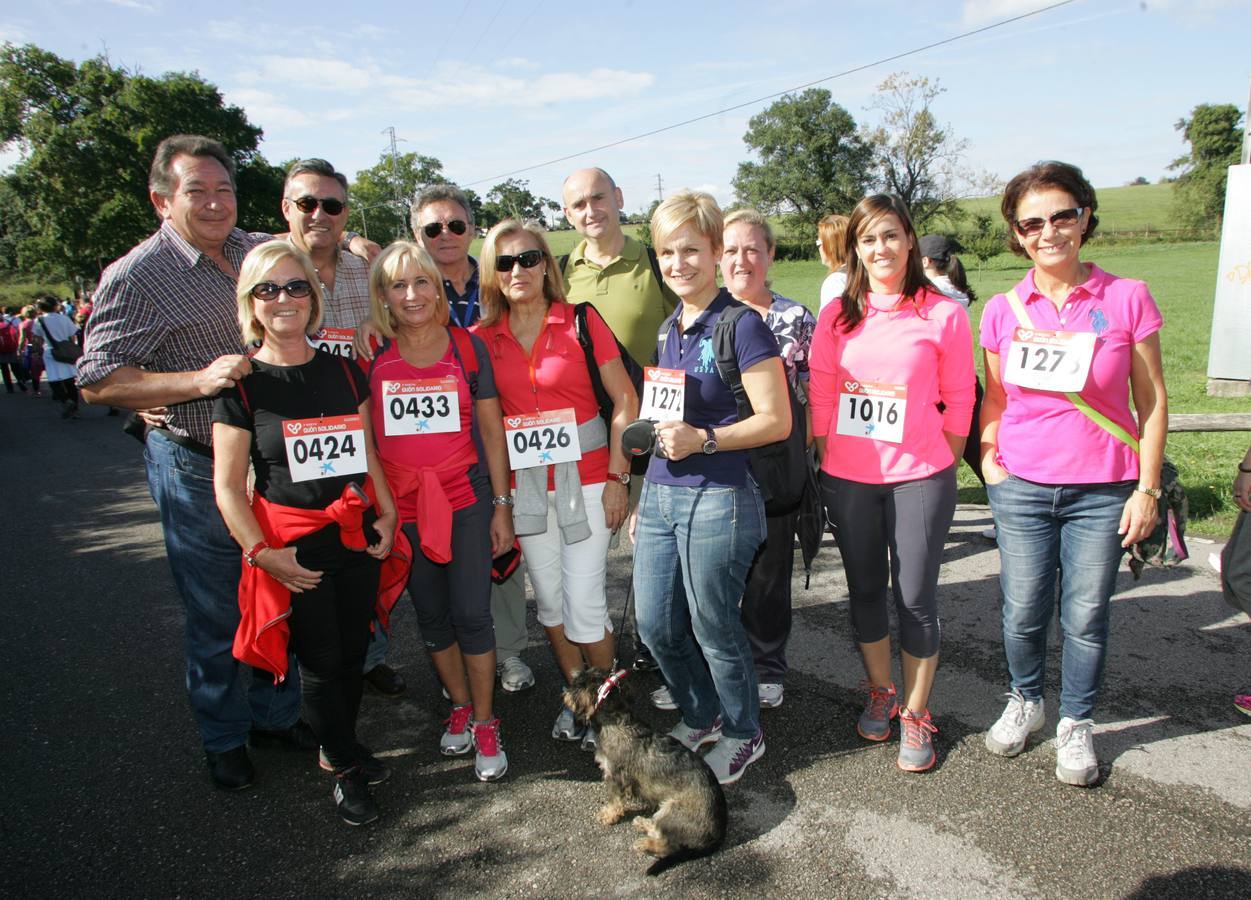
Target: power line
column 516, row 31
column 843, row 74
column 450, row 34
column 481, row 34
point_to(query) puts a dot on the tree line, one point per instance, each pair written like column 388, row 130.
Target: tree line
column 86, row 133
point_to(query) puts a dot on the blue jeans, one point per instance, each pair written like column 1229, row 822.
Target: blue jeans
column 1069, row 531
column 694, row 547
column 379, row 642
column 205, row 562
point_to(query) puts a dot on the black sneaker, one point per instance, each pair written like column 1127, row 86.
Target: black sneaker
column 385, row 680
column 351, row 795
column 373, row 770
column 230, row 770
column 643, row 659
column 298, row 737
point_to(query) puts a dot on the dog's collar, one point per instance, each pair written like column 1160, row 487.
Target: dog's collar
column 609, row 683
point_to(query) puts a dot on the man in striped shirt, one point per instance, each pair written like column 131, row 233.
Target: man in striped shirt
column 164, row 333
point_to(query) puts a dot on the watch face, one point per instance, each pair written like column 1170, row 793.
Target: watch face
column 710, row 447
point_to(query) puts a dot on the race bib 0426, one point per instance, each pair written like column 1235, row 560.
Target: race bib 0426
column 542, row 439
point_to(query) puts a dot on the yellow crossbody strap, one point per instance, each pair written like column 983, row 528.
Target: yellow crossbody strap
column 1022, row 317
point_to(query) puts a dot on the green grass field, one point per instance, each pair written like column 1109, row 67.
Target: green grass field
column 1142, row 207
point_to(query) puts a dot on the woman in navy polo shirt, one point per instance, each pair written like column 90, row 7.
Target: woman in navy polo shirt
column 701, row 517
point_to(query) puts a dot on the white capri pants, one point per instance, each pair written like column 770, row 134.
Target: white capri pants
column 568, row 579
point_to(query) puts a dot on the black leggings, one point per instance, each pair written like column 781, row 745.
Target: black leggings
column 329, row 636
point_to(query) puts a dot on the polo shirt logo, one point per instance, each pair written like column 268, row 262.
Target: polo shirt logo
column 707, row 358
column 1098, row 321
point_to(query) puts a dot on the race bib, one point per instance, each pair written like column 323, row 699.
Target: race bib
column 867, row 409
column 542, row 439
column 423, row 406
column 335, row 341
column 664, row 394
column 325, row 448
column 1049, row 360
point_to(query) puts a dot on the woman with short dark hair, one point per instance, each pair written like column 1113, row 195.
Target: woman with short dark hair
column 1072, row 474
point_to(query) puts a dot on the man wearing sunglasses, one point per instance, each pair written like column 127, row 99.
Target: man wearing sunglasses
column 315, row 205
column 165, row 333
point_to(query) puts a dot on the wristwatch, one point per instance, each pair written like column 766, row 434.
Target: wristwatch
column 502, row 500
column 710, row 445
column 1153, row 493
column 623, row 477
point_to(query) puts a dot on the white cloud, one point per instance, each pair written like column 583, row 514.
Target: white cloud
column 14, row 34
column 983, row 12
column 267, row 110
column 140, row 5
column 517, row 62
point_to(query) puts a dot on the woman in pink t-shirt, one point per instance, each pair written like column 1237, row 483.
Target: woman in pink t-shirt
column 567, row 510
column 437, row 423
column 1072, row 478
column 891, row 391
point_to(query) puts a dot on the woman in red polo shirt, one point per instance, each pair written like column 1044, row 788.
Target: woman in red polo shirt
column 570, row 471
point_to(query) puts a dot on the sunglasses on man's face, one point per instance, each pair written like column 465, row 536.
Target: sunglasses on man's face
column 268, row 290
column 1064, row 218
column 528, row 259
column 308, row 205
column 456, row 226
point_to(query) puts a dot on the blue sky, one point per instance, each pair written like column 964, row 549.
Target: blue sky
column 489, row 86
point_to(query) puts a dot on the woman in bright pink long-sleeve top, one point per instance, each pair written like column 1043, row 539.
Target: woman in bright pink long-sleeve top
column 891, row 390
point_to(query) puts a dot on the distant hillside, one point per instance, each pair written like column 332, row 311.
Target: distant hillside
column 1136, row 208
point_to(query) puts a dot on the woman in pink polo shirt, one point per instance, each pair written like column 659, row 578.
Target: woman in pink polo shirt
column 884, row 355
column 1072, row 478
column 567, row 506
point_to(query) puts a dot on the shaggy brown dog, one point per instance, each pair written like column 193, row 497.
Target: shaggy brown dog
column 647, row 772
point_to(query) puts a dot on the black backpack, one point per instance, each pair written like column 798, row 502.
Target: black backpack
column 780, row 468
column 638, row 465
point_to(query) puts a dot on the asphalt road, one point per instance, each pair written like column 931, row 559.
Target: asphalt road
column 106, row 792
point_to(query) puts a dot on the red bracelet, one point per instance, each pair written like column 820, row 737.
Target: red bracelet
column 250, row 556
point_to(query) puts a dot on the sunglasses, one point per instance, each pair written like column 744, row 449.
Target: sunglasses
column 267, row 290
column 434, row 229
column 528, row 259
column 1063, row 218
column 308, row 205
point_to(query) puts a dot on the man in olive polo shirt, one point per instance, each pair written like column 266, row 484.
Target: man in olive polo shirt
column 611, row 270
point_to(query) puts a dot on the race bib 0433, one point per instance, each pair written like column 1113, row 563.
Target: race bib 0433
column 335, row 341
column 421, row 406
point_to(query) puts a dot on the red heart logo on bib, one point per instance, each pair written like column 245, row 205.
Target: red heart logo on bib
column 294, row 427
column 512, row 421
column 852, row 386
column 1023, row 334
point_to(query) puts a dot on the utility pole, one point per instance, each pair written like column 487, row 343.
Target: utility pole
column 395, row 166
column 660, row 189
column 1246, row 129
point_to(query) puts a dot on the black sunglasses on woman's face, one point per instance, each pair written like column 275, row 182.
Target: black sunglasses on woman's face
column 1063, row 218
column 528, row 259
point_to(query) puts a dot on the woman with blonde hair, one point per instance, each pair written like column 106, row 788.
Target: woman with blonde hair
column 701, row 517
column 440, row 434
column 832, row 247
column 566, row 512
column 321, row 517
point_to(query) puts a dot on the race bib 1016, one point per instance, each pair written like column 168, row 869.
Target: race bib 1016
column 335, row 341
column 868, row 409
column 664, row 394
column 420, row 406
column 543, row 439
column 325, row 448
column 1049, row 360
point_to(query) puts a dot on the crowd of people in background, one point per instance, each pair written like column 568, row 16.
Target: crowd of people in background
column 329, row 423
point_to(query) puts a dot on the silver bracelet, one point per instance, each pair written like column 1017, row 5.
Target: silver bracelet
column 503, row 500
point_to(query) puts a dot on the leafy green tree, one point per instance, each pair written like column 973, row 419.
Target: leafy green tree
column 381, row 195
column 812, row 161
column 512, row 199
column 87, row 133
column 1214, row 132
column 915, row 157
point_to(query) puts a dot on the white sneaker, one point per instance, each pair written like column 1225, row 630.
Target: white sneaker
column 694, row 738
column 662, row 698
column 1076, row 762
column 568, row 728
column 770, row 695
column 989, row 533
column 1020, row 719
column 515, row 675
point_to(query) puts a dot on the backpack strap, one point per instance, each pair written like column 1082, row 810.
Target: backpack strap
column 727, row 358
column 563, row 263
column 582, row 330
column 662, row 334
column 1022, row 317
column 462, row 348
column 347, row 373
